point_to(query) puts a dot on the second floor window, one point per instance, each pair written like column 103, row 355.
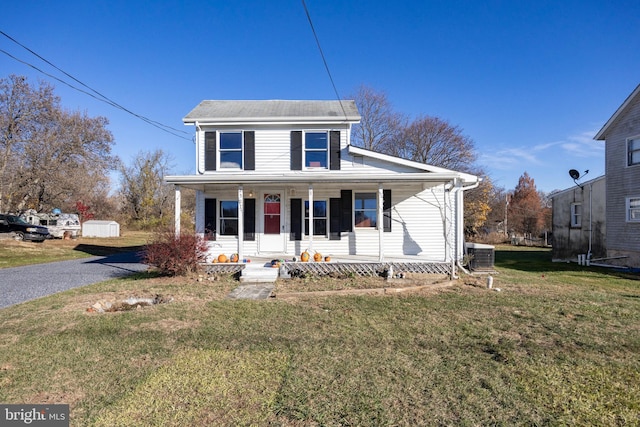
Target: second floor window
column 633, row 151
column 316, row 150
column 230, row 150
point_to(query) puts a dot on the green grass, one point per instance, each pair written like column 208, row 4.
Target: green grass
column 558, row 345
column 14, row 254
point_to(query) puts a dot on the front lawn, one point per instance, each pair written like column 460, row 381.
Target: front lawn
column 558, row 345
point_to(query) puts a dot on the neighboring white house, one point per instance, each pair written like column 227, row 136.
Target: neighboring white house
column 621, row 134
column 277, row 177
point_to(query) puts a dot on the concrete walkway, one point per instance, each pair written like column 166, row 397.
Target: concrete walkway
column 253, row 291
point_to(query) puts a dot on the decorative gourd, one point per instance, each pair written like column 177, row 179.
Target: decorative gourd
column 234, row 258
column 222, row 258
column 317, row 257
column 304, row 256
column 327, row 258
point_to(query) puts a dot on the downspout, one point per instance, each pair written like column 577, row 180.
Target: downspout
column 463, row 189
column 198, row 130
column 590, row 221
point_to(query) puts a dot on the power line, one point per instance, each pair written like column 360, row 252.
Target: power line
column 99, row 97
column 326, row 66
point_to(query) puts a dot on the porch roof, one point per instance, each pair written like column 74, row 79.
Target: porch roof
column 198, row 181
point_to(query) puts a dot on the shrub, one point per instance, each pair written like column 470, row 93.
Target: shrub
column 175, row 255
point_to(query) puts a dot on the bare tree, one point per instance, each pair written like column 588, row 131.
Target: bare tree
column 379, row 124
column 436, row 142
column 146, row 198
column 49, row 156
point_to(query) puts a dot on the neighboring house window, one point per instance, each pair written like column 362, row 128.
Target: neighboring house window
column 576, row 214
column 229, row 218
column 633, row 209
column 319, row 217
column 365, row 210
column 316, row 150
column 230, row 150
column 633, row 151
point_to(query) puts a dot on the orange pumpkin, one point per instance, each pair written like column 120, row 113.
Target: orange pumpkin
column 317, row 257
column 327, row 258
column 234, row 258
column 304, row 256
column 222, row 258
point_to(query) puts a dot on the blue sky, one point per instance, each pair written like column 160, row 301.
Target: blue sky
column 531, row 82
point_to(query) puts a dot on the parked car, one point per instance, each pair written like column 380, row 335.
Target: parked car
column 22, row 230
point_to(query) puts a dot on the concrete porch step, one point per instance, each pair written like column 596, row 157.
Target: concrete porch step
column 258, row 273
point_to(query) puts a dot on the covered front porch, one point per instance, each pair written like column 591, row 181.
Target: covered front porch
column 374, row 219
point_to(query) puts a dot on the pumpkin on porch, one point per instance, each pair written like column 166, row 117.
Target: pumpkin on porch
column 304, row 256
column 327, row 259
column 317, row 257
column 234, row 258
column 222, row 258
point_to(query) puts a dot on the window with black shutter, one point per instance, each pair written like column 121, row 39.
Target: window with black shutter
column 210, row 151
column 386, row 210
column 334, row 150
column 249, row 151
column 296, row 219
column 210, row 219
column 249, row 219
column 296, row 150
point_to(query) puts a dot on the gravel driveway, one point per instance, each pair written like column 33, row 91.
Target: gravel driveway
column 19, row 284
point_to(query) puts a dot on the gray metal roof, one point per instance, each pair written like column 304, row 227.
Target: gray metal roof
column 212, row 111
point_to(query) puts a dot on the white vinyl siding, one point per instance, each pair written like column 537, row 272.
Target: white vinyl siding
column 417, row 226
column 272, row 151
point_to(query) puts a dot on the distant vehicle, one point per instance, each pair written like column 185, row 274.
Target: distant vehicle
column 22, row 230
column 59, row 224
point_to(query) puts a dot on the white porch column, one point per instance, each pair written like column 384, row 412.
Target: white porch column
column 240, row 222
column 310, row 219
column 177, row 210
column 380, row 223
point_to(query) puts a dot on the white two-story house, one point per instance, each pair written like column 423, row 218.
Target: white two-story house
column 274, row 178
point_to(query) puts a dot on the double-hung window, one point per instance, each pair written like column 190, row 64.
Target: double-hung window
column 633, row 151
column 365, row 210
column 228, row 218
column 319, row 217
column 230, row 150
column 633, row 209
column 576, row 215
column 316, row 152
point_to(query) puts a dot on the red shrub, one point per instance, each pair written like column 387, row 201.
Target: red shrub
column 175, row 255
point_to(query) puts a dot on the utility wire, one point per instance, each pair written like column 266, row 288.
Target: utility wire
column 326, row 66
column 99, row 97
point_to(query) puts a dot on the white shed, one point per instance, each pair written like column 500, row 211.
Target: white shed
column 96, row 228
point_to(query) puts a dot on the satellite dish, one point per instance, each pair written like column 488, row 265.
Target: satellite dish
column 574, row 174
